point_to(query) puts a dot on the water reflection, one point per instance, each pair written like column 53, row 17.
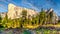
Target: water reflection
column 25, row 31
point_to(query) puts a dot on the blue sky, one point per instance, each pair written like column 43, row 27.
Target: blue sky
column 33, row 4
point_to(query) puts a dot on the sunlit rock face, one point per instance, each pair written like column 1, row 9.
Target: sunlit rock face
column 16, row 12
column 54, row 17
column 11, row 11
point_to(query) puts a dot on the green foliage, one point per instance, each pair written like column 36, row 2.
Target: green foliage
column 24, row 15
column 0, row 19
column 42, row 17
column 35, row 20
column 1, row 22
column 29, row 21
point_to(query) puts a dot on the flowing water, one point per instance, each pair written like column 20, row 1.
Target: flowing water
column 30, row 31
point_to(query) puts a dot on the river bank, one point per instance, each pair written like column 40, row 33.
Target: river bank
column 44, row 29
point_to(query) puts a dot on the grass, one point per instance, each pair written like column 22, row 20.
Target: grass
column 35, row 26
column 30, row 26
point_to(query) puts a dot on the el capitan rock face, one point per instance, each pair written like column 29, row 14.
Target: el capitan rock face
column 12, row 10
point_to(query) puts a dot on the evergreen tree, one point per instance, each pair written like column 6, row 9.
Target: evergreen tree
column 5, row 21
column 0, row 19
column 24, row 17
column 42, row 17
column 29, row 19
column 1, row 22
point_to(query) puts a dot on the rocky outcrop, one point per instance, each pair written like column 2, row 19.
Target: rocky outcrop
column 15, row 11
column 54, row 16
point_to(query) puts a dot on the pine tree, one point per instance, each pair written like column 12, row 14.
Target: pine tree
column 24, row 17
column 42, row 17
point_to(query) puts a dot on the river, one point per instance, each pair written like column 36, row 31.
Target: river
column 42, row 30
